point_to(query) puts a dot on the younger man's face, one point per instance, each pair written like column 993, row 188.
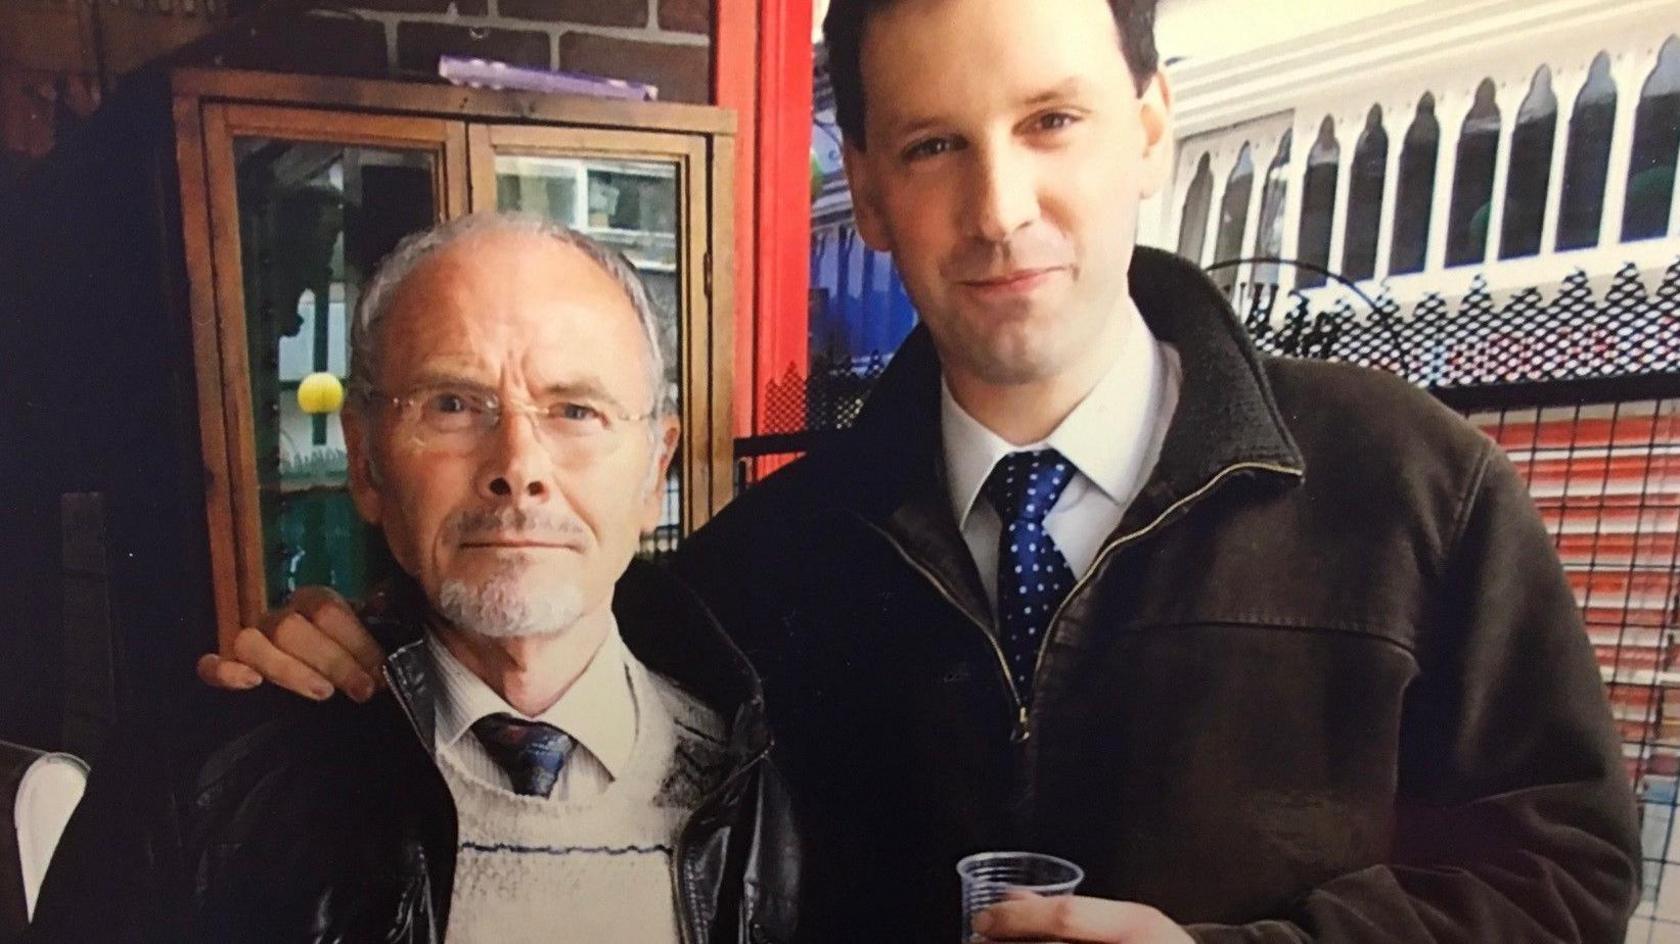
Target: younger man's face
column 1007, row 151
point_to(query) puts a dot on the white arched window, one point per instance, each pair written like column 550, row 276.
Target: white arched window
column 1365, row 195
column 1656, row 143
column 1472, row 198
column 1415, row 195
column 1192, row 230
column 1531, row 169
column 1586, row 166
column 1318, row 202
column 1233, row 216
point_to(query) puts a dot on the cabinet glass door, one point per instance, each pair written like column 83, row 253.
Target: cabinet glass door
column 628, row 205
column 315, row 208
column 633, row 192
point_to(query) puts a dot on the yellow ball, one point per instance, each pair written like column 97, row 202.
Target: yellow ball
column 320, row 393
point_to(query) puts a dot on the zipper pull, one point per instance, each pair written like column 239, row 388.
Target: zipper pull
column 1021, row 731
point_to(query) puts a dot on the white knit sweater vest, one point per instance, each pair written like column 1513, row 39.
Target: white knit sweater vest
column 531, row 870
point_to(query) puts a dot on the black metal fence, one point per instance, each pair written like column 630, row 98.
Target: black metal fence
column 1604, row 470
column 1623, row 329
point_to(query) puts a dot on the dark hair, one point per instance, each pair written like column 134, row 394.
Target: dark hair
column 843, row 37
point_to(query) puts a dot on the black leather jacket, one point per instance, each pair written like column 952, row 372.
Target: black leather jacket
column 1325, row 682
column 331, row 822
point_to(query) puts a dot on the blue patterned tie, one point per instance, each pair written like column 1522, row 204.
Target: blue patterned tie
column 531, row 752
column 1033, row 577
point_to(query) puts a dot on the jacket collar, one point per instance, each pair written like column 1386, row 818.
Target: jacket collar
column 662, row 621
column 1226, row 419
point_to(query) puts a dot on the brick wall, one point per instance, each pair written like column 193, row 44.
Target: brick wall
column 57, row 56
column 662, row 42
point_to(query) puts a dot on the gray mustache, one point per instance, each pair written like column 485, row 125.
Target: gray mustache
column 514, row 521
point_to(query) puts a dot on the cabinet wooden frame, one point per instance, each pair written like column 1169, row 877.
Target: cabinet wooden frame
column 462, row 130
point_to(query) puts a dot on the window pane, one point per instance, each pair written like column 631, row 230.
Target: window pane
column 1587, row 165
column 1531, row 169
column 1656, row 143
column 1198, row 201
column 1318, row 203
column 1472, row 203
column 1415, row 198
column 539, row 185
column 314, row 221
column 1365, row 193
column 1233, row 217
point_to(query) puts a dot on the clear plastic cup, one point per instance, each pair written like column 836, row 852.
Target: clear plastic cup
column 990, row 877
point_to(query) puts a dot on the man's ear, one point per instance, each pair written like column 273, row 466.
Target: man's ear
column 669, row 434
column 364, row 478
column 1155, row 104
column 866, row 197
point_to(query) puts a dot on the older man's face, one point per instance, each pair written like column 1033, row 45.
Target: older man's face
column 521, row 527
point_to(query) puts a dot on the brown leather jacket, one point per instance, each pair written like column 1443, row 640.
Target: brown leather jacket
column 1325, row 682
column 331, row 823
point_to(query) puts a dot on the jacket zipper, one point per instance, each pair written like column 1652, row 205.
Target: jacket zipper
column 1020, row 732
column 1139, row 534
column 1023, row 729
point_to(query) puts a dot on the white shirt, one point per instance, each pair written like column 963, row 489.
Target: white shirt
column 1112, row 438
column 599, row 711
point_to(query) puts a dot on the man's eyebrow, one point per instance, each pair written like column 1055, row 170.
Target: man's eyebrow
column 900, row 129
column 909, row 128
column 582, row 387
column 443, row 377
column 586, row 388
column 1070, row 87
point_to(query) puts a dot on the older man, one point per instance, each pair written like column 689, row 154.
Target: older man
column 556, row 764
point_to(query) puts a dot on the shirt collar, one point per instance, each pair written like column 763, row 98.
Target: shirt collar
column 971, row 452
column 598, row 710
column 1106, row 437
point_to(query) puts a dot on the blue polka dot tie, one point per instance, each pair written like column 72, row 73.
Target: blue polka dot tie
column 531, row 752
column 1033, row 577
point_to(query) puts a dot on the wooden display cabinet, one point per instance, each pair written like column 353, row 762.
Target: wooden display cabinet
column 176, row 271
column 293, row 188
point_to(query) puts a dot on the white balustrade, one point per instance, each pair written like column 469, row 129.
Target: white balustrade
column 1450, row 109
column 1567, row 85
column 1565, row 42
column 1394, row 121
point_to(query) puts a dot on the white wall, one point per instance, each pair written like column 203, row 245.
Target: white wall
column 1214, row 28
column 1202, row 30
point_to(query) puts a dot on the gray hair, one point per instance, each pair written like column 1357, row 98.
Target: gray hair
column 375, row 300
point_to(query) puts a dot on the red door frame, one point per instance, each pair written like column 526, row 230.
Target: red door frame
column 761, row 62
